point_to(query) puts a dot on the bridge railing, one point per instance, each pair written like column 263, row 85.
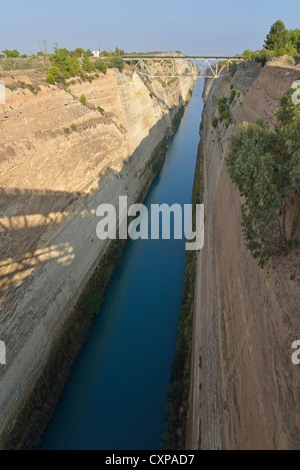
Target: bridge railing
column 176, row 66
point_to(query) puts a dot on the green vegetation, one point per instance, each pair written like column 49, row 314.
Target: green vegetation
column 74, row 127
column 177, row 118
column 262, row 56
column 265, row 167
column 82, row 99
column 233, row 68
column 224, row 113
column 101, row 110
column 73, row 63
column 63, row 63
column 87, row 65
column 232, row 96
column 30, row 87
column 116, row 62
column 101, row 65
column 50, row 79
column 11, row 54
column 25, row 63
column 214, row 122
column 279, row 41
column 67, row 130
column 178, row 393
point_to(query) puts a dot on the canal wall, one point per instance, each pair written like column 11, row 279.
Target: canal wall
column 60, row 159
column 244, row 388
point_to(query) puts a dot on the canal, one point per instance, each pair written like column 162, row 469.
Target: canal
column 115, row 398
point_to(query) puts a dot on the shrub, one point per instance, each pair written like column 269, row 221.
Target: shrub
column 214, row 122
column 87, row 65
column 83, row 99
column 74, row 127
column 23, row 64
column 247, row 54
column 67, row 130
column 232, row 96
column 116, row 62
column 101, row 110
column 79, row 52
column 67, row 63
column 100, row 65
column 263, row 55
column 54, row 71
column 50, row 78
column 265, row 167
column 233, row 68
column 224, row 112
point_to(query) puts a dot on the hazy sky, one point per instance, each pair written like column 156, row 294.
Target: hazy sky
column 191, row 26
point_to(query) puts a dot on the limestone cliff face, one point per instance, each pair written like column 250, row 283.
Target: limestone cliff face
column 60, row 159
column 245, row 389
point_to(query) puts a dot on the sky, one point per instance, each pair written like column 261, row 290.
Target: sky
column 191, row 26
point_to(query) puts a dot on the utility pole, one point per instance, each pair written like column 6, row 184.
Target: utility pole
column 45, row 46
column 40, row 46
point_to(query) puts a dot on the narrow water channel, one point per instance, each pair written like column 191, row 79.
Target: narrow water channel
column 115, row 398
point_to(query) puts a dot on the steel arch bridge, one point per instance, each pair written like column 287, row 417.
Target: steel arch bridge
column 176, row 66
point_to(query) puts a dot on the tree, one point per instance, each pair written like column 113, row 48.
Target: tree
column 116, row 62
column 87, row 65
column 67, row 64
column 265, row 167
column 11, row 54
column 100, row 65
column 79, row 52
column 247, row 54
column 277, row 38
column 53, row 71
column 118, row 52
column 50, row 78
column 295, row 38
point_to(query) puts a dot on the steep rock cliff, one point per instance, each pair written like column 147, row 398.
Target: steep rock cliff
column 60, row 159
column 245, row 389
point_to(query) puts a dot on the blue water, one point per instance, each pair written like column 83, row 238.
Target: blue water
column 115, row 398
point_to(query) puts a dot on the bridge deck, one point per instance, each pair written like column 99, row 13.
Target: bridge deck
column 189, row 57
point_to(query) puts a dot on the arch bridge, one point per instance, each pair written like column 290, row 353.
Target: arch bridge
column 175, row 66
